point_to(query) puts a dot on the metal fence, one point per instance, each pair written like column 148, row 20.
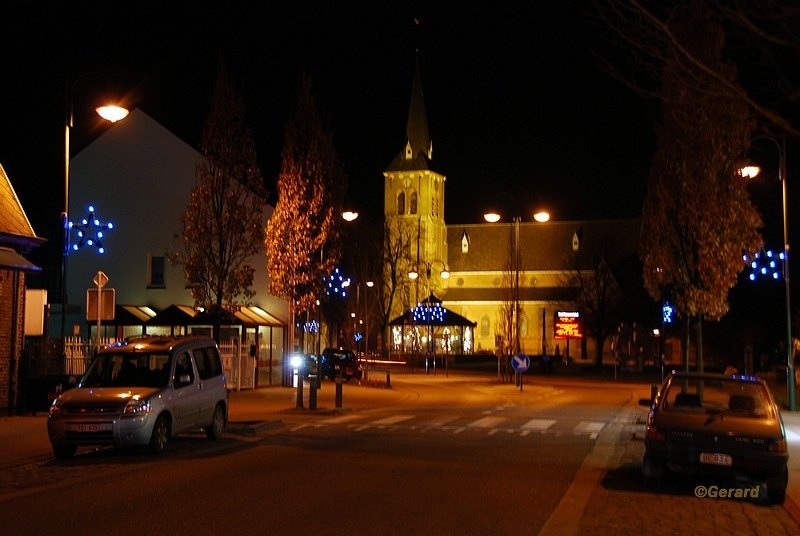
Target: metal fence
column 55, row 359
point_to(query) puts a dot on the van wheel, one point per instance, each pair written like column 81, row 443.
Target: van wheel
column 160, row 436
column 64, row 452
column 217, row 426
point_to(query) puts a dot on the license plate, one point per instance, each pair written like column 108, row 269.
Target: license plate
column 88, row 428
column 713, row 458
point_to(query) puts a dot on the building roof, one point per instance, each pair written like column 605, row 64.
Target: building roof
column 15, row 228
column 542, row 246
column 11, row 259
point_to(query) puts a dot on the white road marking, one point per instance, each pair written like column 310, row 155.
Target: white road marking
column 538, row 424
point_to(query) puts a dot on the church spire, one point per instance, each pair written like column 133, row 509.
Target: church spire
column 417, row 138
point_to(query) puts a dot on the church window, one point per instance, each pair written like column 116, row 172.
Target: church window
column 401, row 203
column 413, row 203
column 484, row 326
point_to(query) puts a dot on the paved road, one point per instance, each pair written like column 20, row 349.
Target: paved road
column 605, row 496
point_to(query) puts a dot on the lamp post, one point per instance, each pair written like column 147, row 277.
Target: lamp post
column 413, row 274
column 540, row 216
column 751, row 172
column 111, row 113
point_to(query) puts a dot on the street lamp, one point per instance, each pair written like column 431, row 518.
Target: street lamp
column 751, row 172
column 540, row 216
column 111, row 113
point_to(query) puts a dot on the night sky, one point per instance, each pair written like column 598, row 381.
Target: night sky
column 519, row 112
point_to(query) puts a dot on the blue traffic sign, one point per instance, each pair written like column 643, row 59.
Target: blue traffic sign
column 520, row 362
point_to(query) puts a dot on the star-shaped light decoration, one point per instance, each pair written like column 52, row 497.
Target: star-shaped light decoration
column 90, row 231
column 764, row 264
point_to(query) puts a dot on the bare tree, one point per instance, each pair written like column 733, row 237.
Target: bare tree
column 223, row 222
column 762, row 43
column 599, row 296
column 395, row 290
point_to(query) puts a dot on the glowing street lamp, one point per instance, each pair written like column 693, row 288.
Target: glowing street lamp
column 111, row 113
column 749, row 172
column 540, row 216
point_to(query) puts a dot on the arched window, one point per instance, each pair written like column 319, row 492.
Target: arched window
column 401, row 203
column 484, row 326
column 413, row 203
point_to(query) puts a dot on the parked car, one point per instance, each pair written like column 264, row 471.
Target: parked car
column 716, row 424
column 306, row 364
column 142, row 391
column 339, row 362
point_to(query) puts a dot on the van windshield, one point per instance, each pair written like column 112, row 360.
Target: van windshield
column 127, row 370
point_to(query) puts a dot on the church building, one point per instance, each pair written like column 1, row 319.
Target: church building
column 514, row 280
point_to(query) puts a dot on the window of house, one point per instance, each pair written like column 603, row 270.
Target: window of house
column 156, row 272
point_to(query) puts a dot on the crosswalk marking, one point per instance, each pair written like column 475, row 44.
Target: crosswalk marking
column 457, row 424
column 488, row 422
column 340, row 419
column 392, row 420
column 589, row 427
column 538, row 424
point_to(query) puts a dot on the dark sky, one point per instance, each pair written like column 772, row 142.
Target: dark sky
column 518, row 110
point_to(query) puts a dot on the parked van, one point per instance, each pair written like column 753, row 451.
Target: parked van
column 143, row 391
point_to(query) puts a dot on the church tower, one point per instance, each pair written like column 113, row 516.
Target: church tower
column 414, row 211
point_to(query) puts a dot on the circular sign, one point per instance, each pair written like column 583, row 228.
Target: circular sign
column 520, row 362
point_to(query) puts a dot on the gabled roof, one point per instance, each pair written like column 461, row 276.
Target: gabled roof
column 15, row 228
column 174, row 315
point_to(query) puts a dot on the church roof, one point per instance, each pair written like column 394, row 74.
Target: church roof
column 542, row 246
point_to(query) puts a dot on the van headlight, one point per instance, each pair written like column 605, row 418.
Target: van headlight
column 55, row 407
column 136, row 408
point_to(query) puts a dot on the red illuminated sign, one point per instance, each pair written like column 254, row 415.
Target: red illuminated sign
column 567, row 325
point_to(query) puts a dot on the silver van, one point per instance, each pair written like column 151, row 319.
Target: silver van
column 140, row 392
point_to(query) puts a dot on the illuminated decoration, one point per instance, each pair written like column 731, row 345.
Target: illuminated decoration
column 667, row 313
column 358, row 336
column 90, row 231
column 397, row 337
column 337, row 284
column 311, row 327
column 468, row 340
column 427, row 313
column 567, row 325
column 446, row 340
column 764, row 264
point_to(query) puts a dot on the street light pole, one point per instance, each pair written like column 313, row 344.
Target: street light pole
column 111, row 113
column 750, row 172
column 790, row 380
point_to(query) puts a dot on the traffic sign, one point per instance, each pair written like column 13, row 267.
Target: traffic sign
column 520, row 362
column 100, row 279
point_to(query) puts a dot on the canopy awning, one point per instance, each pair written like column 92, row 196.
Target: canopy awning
column 174, row 315
column 11, row 259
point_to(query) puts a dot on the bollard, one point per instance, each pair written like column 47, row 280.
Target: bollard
column 299, row 391
column 312, row 395
column 339, row 391
column 388, row 379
